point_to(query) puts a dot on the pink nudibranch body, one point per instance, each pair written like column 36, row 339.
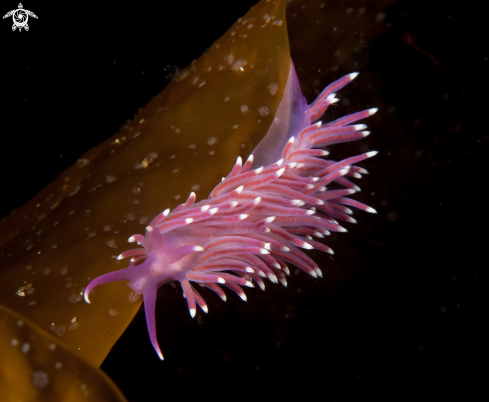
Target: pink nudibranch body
column 260, row 216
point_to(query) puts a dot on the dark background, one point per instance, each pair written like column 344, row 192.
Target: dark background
column 406, row 319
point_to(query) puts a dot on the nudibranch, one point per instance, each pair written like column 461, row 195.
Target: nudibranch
column 183, row 140
column 260, row 217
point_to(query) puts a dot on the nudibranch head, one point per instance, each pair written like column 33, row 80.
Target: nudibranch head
column 260, row 217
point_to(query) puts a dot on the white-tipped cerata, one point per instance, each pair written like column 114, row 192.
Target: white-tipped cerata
column 279, row 172
column 373, row 111
column 352, row 76
column 330, row 98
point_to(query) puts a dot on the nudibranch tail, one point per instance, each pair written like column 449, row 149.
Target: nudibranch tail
column 255, row 221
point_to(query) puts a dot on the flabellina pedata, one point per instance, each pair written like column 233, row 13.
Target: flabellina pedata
column 260, row 217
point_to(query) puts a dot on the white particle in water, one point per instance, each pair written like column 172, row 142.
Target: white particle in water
column 238, row 65
column 229, row 58
column 263, row 111
column 143, row 220
column 40, row 379
column 133, row 297
column 74, row 191
column 272, row 88
column 73, row 326
column 113, row 312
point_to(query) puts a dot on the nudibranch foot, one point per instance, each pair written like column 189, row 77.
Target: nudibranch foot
column 257, row 219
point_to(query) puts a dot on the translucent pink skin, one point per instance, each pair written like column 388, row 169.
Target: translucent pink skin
column 257, row 219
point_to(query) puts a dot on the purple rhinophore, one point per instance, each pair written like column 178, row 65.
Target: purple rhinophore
column 260, row 216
